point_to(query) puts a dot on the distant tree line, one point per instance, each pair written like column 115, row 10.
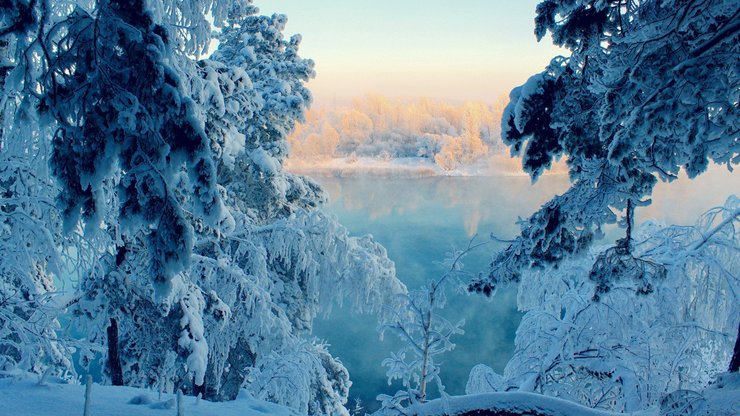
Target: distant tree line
column 375, row 126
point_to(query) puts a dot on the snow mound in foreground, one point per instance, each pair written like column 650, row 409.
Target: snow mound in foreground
column 21, row 394
column 721, row 398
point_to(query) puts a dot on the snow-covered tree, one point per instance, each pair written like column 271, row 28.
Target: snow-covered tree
column 207, row 263
column 125, row 116
column 627, row 351
column 30, row 229
column 425, row 334
column 29, row 235
column 254, row 47
column 649, row 89
column 238, row 315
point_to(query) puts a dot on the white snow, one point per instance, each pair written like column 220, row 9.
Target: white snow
column 21, row 394
column 723, row 398
column 265, row 162
column 410, row 167
column 515, row 402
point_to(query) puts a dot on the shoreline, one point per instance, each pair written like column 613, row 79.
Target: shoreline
column 408, row 168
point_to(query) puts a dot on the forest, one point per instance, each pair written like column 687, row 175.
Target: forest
column 153, row 243
column 451, row 136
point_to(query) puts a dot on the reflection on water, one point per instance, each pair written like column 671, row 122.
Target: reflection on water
column 420, row 219
column 451, row 201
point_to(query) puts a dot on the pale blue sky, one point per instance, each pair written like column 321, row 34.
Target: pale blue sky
column 454, row 50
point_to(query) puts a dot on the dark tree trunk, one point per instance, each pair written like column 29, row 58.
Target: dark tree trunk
column 199, row 390
column 114, row 361
column 240, row 357
column 735, row 362
column 630, row 221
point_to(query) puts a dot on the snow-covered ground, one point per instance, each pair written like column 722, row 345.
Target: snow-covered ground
column 721, row 399
column 22, row 395
column 407, row 167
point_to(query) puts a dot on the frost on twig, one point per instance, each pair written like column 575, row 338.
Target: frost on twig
column 425, row 334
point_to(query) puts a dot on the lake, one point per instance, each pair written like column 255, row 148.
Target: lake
column 419, row 220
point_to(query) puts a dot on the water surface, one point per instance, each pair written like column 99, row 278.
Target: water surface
column 419, row 220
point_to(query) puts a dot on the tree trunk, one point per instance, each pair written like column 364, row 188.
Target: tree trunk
column 114, row 361
column 199, row 389
column 180, row 403
column 630, row 222
column 735, row 362
column 88, row 395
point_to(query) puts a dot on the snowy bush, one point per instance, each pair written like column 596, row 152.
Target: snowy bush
column 30, row 237
column 629, row 348
column 483, row 379
column 425, row 334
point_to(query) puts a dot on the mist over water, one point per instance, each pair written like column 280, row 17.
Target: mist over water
column 419, row 220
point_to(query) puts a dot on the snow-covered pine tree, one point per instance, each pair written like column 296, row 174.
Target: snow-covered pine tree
column 254, row 46
column 110, row 75
column 241, row 311
column 125, row 116
column 649, row 89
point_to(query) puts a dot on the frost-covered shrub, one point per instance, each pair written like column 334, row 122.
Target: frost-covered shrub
column 304, row 377
column 29, row 260
column 627, row 350
column 417, row 321
column 30, row 238
column 483, row 379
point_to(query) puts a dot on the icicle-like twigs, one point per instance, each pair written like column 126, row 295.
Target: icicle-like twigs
column 425, row 334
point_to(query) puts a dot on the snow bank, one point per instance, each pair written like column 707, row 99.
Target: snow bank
column 21, row 394
column 505, row 404
column 366, row 166
column 498, row 165
column 720, row 398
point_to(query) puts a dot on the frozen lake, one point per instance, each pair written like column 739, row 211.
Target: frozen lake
column 419, row 220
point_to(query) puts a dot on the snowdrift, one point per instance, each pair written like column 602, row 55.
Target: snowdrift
column 22, row 394
column 721, row 398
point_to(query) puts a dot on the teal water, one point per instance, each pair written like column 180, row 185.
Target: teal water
column 419, row 220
